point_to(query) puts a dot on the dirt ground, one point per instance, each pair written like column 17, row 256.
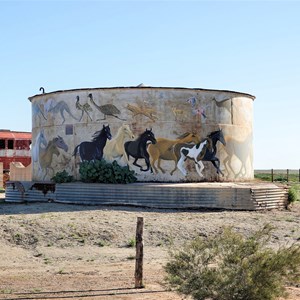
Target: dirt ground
column 59, row 251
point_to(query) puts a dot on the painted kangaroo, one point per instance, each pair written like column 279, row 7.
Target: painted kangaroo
column 61, row 107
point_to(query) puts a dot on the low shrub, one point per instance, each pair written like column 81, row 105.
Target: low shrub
column 292, row 195
column 103, row 172
column 229, row 266
column 62, row 177
column 280, row 179
column 265, row 177
column 131, row 243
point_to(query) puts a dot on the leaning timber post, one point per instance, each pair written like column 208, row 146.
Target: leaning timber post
column 139, row 253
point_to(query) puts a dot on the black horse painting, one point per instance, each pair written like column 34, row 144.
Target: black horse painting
column 138, row 149
column 204, row 151
column 93, row 150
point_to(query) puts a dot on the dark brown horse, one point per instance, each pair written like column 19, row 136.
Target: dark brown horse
column 93, row 150
column 138, row 149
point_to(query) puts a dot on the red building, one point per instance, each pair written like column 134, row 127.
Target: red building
column 14, row 147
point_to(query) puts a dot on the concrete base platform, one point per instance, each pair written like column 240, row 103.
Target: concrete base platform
column 233, row 196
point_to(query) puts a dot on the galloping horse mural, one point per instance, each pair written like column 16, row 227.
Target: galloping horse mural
column 46, row 154
column 240, row 150
column 185, row 123
column 114, row 149
column 93, row 150
column 40, row 142
column 164, row 150
column 203, row 151
column 138, row 149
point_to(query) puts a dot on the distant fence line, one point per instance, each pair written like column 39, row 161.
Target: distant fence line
column 289, row 175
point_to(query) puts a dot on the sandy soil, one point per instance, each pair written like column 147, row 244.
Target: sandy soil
column 57, row 251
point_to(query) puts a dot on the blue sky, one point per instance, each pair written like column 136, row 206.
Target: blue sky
column 245, row 46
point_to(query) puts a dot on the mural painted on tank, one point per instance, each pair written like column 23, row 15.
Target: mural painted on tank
column 195, row 135
column 84, row 108
column 93, row 150
column 106, row 109
column 60, row 109
column 46, row 155
column 196, row 108
column 37, row 112
column 143, row 111
column 240, row 150
column 138, row 149
column 205, row 150
column 44, row 151
column 163, row 149
column 114, row 148
column 39, row 143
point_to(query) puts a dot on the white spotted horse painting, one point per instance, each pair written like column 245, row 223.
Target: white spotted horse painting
column 205, row 150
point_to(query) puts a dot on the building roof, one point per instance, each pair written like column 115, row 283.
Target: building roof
column 15, row 135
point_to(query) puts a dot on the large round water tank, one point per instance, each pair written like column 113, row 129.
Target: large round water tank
column 170, row 134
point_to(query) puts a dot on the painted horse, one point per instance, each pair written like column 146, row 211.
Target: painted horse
column 163, row 149
column 40, row 143
column 93, row 150
column 138, row 149
column 114, row 148
column 204, row 151
column 241, row 150
column 46, row 154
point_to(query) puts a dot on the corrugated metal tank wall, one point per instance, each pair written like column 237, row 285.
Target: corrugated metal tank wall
column 62, row 120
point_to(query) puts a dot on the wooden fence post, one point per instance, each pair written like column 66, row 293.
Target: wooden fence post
column 287, row 175
column 272, row 175
column 139, row 253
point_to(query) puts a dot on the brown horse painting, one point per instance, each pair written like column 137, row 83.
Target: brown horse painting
column 46, row 154
column 163, row 149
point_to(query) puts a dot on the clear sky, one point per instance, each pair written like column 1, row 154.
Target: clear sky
column 245, row 46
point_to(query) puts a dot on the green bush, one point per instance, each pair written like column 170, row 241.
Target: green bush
column 131, row 243
column 104, row 172
column 62, row 177
column 265, row 177
column 280, row 178
column 228, row 266
column 292, row 195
